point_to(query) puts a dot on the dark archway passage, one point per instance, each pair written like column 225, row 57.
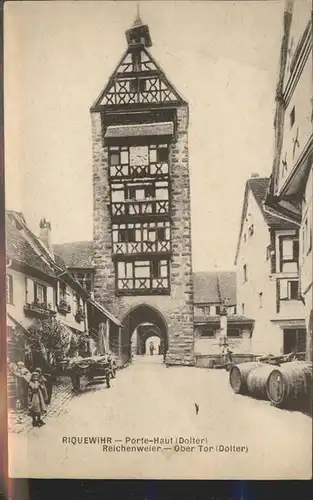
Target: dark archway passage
column 144, row 333
column 140, row 315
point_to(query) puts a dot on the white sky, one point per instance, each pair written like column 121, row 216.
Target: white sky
column 223, row 58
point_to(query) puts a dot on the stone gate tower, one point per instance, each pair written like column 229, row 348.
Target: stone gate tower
column 141, row 190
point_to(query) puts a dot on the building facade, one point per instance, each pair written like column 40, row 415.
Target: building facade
column 290, row 190
column 141, row 189
column 78, row 259
column 217, row 325
column 43, row 295
column 268, row 276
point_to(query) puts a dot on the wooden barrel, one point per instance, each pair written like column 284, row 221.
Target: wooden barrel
column 238, row 376
column 290, row 385
column 257, row 381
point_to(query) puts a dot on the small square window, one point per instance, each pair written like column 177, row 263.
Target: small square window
column 294, row 289
column 142, row 85
column 161, row 233
column 133, row 86
column 207, row 332
column 137, row 85
column 151, row 235
column 131, row 235
column 124, row 157
column 233, row 332
column 289, row 290
column 162, row 154
column 114, row 159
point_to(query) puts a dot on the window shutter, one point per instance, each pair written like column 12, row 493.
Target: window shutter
column 296, row 250
column 50, row 296
column 278, row 296
column 29, row 284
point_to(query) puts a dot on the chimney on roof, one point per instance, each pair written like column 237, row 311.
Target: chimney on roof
column 254, row 175
column 45, row 234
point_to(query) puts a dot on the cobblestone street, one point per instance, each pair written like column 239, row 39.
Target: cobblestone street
column 62, row 393
column 148, row 400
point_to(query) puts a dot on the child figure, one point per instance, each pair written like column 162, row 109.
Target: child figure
column 36, row 404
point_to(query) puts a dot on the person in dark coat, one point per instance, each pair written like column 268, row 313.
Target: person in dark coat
column 36, row 403
column 43, row 384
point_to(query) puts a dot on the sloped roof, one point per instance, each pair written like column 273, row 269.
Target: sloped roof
column 78, row 254
column 18, row 248
column 259, row 187
column 139, row 130
column 214, row 286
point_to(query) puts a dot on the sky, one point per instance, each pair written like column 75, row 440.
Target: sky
column 221, row 56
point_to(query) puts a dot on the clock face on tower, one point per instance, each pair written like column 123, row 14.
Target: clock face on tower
column 139, row 155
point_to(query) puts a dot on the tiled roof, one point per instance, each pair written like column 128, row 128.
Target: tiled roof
column 214, row 286
column 259, row 186
column 60, row 262
column 18, row 248
column 227, row 281
column 75, row 255
column 145, row 129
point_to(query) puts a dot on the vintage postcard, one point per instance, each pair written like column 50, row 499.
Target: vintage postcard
column 158, row 160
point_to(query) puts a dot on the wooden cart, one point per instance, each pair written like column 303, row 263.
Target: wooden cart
column 91, row 368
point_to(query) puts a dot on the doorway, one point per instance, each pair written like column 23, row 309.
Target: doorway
column 294, row 340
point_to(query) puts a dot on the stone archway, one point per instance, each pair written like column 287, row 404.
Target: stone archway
column 140, row 315
column 143, row 333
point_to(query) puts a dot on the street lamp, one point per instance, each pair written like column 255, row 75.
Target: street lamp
column 223, row 326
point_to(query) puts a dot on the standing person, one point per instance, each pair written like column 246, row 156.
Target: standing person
column 36, row 403
column 49, row 385
column 151, row 347
column 43, row 385
column 23, row 378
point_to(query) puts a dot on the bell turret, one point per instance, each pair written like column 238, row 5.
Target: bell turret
column 138, row 34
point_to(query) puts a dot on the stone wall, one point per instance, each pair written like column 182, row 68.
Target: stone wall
column 176, row 308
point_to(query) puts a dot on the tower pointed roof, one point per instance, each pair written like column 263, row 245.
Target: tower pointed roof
column 138, row 20
column 138, row 34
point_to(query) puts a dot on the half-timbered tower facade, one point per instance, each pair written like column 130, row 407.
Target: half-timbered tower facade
column 142, row 228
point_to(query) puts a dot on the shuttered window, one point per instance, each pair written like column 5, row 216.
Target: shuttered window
column 289, row 254
column 50, row 297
